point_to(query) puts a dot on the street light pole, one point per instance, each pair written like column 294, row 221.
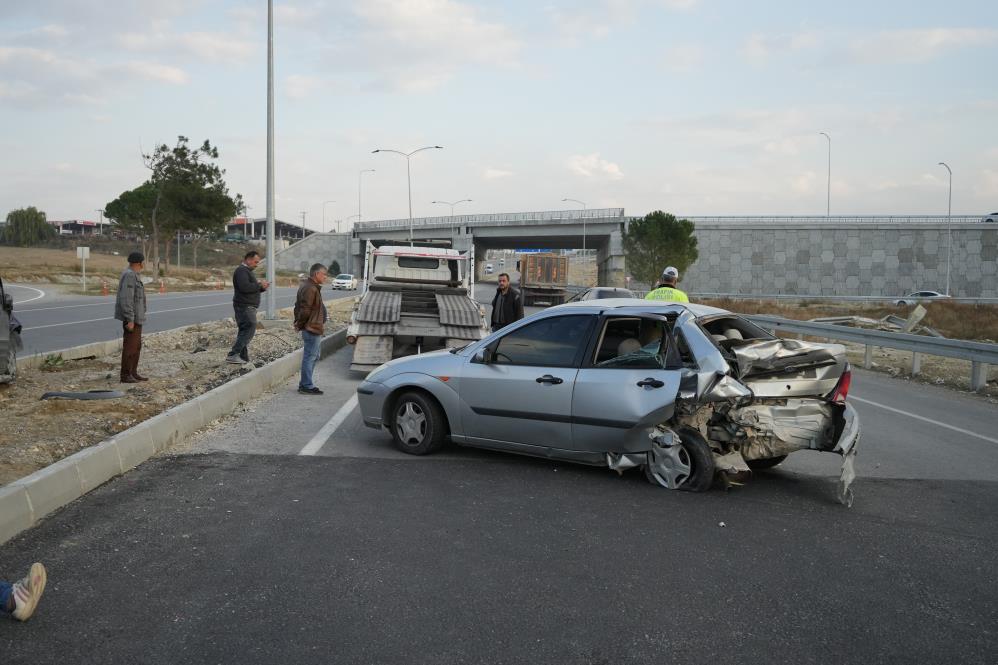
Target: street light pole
column 408, row 175
column 302, row 224
column 271, row 268
column 583, row 221
column 949, row 224
column 448, row 203
column 100, row 224
column 828, row 201
column 360, row 178
column 346, row 220
column 324, row 214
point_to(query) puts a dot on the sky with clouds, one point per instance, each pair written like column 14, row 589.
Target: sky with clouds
column 699, row 107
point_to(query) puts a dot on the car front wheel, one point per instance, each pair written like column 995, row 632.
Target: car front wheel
column 418, row 425
column 687, row 465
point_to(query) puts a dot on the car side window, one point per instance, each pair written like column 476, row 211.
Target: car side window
column 550, row 342
column 632, row 343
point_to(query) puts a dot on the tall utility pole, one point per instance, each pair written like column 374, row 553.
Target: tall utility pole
column 828, row 201
column 408, row 175
column 949, row 224
column 100, row 224
column 271, row 268
column 302, row 224
column 360, row 178
column 448, row 203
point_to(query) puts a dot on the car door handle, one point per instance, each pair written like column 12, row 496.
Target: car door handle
column 547, row 378
column 651, row 383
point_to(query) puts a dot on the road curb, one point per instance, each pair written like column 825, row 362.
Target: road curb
column 26, row 501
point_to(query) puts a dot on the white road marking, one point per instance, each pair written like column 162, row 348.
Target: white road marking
column 319, row 440
column 105, row 299
column 41, row 294
column 923, row 418
column 111, row 318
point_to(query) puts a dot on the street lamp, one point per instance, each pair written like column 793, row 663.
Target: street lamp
column 828, row 202
column 100, row 224
column 583, row 222
column 324, row 214
column 271, row 248
column 408, row 175
column 448, row 203
column 360, row 177
column 303, row 213
column 949, row 224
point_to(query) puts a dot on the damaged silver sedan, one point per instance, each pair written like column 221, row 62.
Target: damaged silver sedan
column 691, row 394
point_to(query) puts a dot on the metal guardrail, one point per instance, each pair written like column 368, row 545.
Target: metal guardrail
column 497, row 218
column 980, row 354
column 838, row 219
column 869, row 299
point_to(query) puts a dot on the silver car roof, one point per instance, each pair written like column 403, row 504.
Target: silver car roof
column 653, row 306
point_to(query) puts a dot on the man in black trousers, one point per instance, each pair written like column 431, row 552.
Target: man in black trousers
column 245, row 301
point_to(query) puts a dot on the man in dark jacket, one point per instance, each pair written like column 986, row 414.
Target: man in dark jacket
column 246, row 292
column 310, row 319
column 507, row 305
column 130, row 309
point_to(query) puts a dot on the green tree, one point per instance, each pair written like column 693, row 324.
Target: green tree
column 189, row 190
column 658, row 240
column 27, row 226
column 334, row 268
column 132, row 211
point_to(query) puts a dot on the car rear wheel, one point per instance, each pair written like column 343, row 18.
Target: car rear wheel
column 688, row 465
column 765, row 463
column 418, row 424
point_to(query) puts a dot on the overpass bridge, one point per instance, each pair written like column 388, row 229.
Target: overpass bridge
column 871, row 255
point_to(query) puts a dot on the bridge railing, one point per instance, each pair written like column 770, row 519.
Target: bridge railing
column 497, row 218
column 836, row 219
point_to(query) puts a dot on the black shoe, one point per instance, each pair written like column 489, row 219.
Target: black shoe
column 309, row 391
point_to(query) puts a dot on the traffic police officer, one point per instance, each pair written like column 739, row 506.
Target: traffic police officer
column 666, row 289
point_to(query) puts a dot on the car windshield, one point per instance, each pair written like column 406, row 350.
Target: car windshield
column 344, row 277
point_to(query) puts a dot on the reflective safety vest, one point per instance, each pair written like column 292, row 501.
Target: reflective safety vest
column 667, row 293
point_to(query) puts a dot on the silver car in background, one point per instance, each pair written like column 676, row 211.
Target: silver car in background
column 688, row 393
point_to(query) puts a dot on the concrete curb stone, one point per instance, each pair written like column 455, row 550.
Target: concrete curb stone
column 26, row 501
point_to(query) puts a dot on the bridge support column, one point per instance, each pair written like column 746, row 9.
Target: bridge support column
column 610, row 258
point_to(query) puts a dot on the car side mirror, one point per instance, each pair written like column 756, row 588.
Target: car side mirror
column 483, row 356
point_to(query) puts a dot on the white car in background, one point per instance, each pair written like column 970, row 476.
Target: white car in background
column 920, row 296
column 344, row 281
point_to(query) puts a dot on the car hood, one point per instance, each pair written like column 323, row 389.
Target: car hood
column 435, row 363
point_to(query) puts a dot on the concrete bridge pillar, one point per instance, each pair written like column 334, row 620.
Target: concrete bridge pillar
column 610, row 261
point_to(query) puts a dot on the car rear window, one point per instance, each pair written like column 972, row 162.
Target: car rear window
column 418, row 262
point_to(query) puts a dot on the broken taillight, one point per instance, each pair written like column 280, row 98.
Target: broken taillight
column 842, row 387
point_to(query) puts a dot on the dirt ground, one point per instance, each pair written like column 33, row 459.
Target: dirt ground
column 180, row 364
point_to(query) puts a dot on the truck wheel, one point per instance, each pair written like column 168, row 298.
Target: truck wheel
column 418, row 424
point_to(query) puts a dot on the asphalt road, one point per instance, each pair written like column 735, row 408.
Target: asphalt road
column 237, row 549
column 59, row 323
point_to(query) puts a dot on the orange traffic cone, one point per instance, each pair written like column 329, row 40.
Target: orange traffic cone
column 162, row 287
column 103, row 287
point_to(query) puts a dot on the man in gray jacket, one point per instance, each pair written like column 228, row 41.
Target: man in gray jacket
column 246, row 292
column 130, row 309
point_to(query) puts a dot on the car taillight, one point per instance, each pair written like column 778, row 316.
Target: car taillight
column 842, row 387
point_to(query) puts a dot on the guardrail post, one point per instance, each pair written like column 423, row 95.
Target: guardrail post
column 916, row 363
column 868, row 357
column 978, row 375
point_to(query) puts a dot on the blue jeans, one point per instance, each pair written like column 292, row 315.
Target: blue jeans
column 6, row 589
column 308, row 357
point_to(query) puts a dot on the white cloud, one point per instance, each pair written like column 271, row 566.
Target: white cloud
column 593, row 166
column 916, row 46
column 758, row 47
column 299, row 86
column 495, row 174
column 987, row 185
column 205, row 46
column 154, row 71
column 804, row 183
column 683, row 58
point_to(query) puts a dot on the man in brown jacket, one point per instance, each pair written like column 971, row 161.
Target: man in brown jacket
column 310, row 319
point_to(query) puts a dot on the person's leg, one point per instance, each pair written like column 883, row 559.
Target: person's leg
column 308, row 357
column 138, row 352
column 6, row 597
column 250, row 332
column 245, row 331
column 130, row 344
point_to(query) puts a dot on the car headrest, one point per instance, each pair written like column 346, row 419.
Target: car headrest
column 733, row 333
column 629, row 345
